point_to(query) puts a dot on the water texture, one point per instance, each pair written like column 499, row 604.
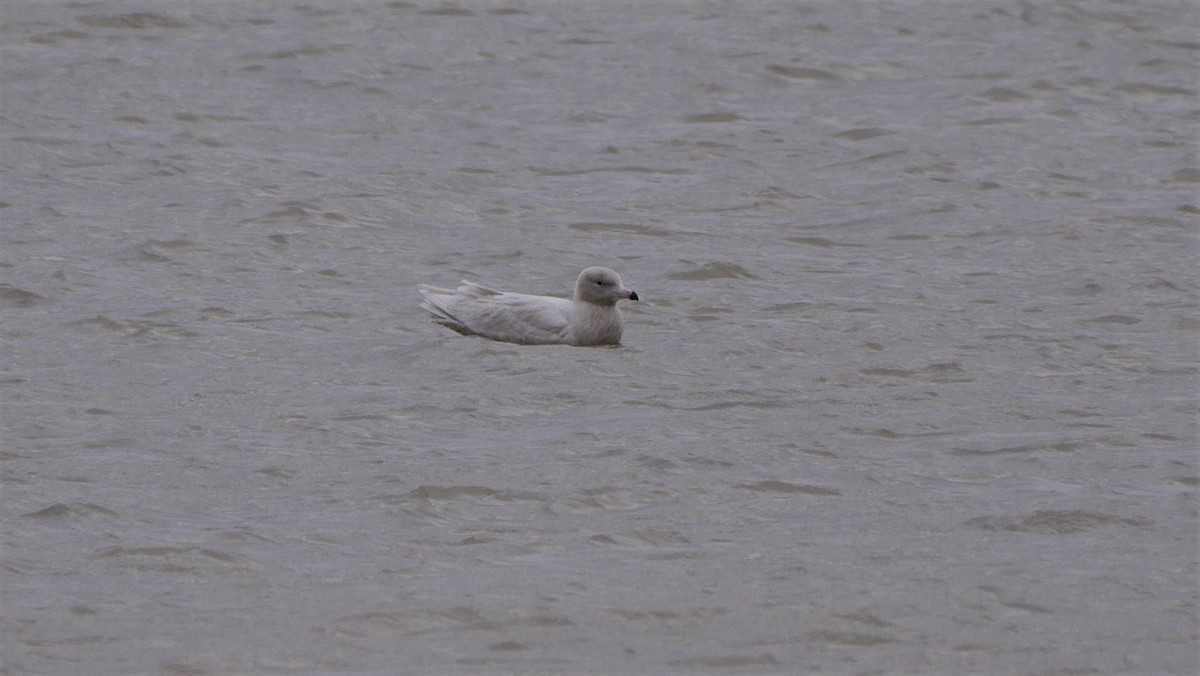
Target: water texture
column 912, row 386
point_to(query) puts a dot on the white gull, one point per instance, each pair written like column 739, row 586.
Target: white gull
column 591, row 318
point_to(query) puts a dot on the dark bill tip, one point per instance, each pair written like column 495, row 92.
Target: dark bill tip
column 633, row 295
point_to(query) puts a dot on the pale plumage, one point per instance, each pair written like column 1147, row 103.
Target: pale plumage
column 591, row 318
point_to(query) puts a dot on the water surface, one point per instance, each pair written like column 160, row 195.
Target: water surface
column 911, row 388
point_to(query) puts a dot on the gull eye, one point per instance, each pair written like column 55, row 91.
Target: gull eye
column 600, row 282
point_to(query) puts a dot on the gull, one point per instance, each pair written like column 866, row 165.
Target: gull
column 590, row 318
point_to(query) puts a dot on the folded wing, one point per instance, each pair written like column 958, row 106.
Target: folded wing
column 472, row 309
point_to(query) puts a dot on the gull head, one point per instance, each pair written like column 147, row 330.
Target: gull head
column 601, row 286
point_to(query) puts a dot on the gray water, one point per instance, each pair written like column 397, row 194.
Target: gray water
column 912, row 386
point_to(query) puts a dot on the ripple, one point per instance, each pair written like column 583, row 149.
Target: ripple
column 11, row 296
column 802, row 73
column 705, row 118
column 62, row 509
column 1055, row 522
column 138, row 20
column 620, row 228
column 772, row 486
column 712, row 270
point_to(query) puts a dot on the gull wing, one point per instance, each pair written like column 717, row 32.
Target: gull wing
column 472, row 309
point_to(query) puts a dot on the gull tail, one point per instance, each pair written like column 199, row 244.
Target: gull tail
column 439, row 303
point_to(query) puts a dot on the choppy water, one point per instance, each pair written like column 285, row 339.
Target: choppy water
column 912, row 387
